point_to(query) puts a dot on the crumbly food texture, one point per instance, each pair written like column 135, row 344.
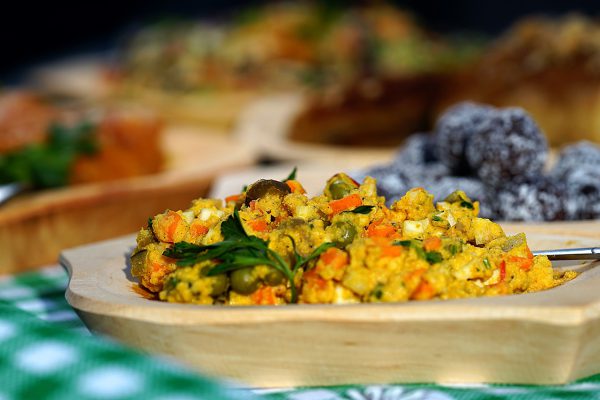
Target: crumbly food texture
column 414, row 249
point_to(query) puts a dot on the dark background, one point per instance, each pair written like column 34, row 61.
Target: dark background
column 32, row 33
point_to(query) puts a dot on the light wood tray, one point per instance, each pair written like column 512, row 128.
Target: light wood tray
column 548, row 337
column 36, row 227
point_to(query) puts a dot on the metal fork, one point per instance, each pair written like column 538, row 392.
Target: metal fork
column 582, row 253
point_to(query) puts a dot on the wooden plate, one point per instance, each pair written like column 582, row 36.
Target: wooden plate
column 549, row 337
column 35, row 228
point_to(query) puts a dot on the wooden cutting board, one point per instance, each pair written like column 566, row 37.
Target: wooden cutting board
column 34, row 228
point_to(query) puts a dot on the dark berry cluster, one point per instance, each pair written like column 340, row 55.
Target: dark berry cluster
column 497, row 156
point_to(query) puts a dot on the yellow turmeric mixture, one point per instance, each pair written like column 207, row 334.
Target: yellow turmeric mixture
column 272, row 244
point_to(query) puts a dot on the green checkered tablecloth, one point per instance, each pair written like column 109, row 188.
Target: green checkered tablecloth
column 47, row 353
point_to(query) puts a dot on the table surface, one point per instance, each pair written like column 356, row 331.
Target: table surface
column 47, row 352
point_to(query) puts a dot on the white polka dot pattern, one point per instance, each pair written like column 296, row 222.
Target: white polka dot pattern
column 7, row 330
column 46, row 357
column 110, row 382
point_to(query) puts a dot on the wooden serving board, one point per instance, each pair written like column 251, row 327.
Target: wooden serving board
column 34, row 228
column 549, row 337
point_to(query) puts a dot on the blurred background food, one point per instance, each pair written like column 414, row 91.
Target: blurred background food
column 117, row 97
column 43, row 145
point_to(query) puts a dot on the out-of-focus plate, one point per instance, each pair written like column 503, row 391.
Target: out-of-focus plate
column 548, row 337
column 265, row 125
column 34, row 228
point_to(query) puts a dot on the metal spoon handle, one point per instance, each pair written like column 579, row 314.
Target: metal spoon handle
column 583, row 253
column 10, row 190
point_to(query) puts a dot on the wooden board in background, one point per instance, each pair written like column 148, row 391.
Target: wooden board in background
column 34, row 228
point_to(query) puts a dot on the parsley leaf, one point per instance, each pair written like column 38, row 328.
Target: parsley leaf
column 45, row 165
column 433, row 257
column 467, row 204
column 292, row 175
column 361, row 210
column 240, row 250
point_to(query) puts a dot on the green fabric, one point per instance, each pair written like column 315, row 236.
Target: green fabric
column 43, row 360
column 47, row 353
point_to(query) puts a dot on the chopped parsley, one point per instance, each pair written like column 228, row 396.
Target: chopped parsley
column 360, row 210
column 239, row 250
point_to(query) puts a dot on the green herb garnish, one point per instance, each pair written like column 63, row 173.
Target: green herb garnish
column 487, row 264
column 378, row 291
column 360, row 210
column 467, row 204
column 433, row 257
column 150, row 223
column 239, row 250
column 437, row 218
column 292, row 175
column 454, row 248
column 171, row 283
column 48, row 164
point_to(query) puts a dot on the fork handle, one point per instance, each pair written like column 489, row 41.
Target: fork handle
column 583, row 253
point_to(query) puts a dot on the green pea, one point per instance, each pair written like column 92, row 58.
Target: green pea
column 345, row 233
column 274, row 277
column 244, row 281
column 220, row 284
column 339, row 189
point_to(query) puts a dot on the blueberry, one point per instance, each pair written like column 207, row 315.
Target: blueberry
column 508, row 148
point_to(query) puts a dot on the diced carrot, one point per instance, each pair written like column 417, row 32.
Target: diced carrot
column 424, row 291
column 165, row 226
column 524, row 263
column 529, row 253
column 295, row 186
column 157, row 266
column 414, row 278
column 264, row 295
column 198, row 229
column 416, row 274
column 391, row 251
column 432, row 243
column 233, row 197
column 502, row 268
column 258, row 225
column 313, row 280
column 345, row 203
column 378, row 229
column 335, row 257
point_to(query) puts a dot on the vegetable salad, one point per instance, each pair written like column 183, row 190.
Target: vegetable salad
column 272, row 245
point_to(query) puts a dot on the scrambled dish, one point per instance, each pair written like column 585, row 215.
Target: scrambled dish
column 272, row 244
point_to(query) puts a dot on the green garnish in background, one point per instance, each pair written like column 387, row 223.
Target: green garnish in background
column 239, row 250
column 48, row 164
